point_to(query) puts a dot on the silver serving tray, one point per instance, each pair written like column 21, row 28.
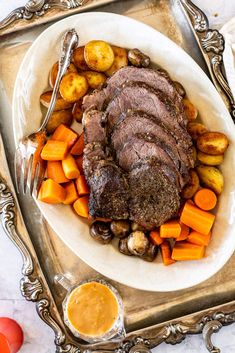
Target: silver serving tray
column 150, row 318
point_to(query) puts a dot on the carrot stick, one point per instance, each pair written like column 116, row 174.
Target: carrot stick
column 79, row 146
column 65, row 134
column 198, row 238
column 205, row 199
column 82, row 187
column 81, row 206
column 171, row 229
column 186, row 251
column 55, row 172
column 155, row 237
column 166, row 253
column 70, row 168
column 184, row 232
column 51, row 192
column 71, row 193
column 54, row 150
column 197, row 219
column 79, row 161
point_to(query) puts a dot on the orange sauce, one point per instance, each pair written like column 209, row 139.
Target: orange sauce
column 92, row 309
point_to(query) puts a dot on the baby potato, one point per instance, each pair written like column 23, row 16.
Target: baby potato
column 59, row 117
column 209, row 159
column 60, row 103
column 192, row 186
column 94, row 79
column 54, row 72
column 99, row 55
column 190, row 110
column 79, row 59
column 214, row 143
column 196, row 130
column 120, row 60
column 77, row 112
column 211, row 177
column 73, row 87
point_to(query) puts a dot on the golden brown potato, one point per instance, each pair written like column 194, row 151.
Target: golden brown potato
column 59, row 117
column 54, row 72
column 211, row 177
column 213, row 143
column 120, row 60
column 99, row 55
column 192, row 186
column 73, row 87
column 190, row 110
column 79, row 59
column 60, row 103
column 209, row 159
column 77, row 112
column 94, row 79
column 196, row 129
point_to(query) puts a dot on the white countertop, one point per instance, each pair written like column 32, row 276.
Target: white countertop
column 38, row 337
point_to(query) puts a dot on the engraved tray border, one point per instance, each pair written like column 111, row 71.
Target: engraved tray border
column 34, row 286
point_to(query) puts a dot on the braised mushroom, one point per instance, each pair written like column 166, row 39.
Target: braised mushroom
column 136, row 226
column 137, row 243
column 151, row 253
column 120, row 228
column 123, row 248
column 180, row 89
column 100, row 231
column 137, row 58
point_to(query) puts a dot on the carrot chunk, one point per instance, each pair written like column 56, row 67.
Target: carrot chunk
column 79, row 161
column 166, row 253
column 65, row 134
column 81, row 206
column 71, row 193
column 82, row 187
column 184, row 232
column 70, row 167
column 55, row 172
column 155, row 237
column 205, row 199
column 79, row 146
column 197, row 219
column 54, row 150
column 171, row 229
column 198, row 238
column 51, row 192
column 185, row 251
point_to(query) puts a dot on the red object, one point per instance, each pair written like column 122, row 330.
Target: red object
column 4, row 345
column 13, row 333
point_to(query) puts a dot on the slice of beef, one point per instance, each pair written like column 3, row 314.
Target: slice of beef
column 154, row 198
column 93, row 153
column 93, row 129
column 109, row 191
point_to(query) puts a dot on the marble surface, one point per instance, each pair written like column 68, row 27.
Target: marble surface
column 38, row 337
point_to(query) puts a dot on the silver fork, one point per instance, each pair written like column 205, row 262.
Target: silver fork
column 29, row 167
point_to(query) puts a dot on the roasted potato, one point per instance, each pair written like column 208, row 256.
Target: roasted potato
column 192, row 186
column 179, row 88
column 54, row 72
column 137, row 58
column 73, row 87
column 77, row 111
column 59, row 117
column 79, row 59
column 190, row 110
column 60, row 103
column 196, row 129
column 209, row 159
column 214, row 143
column 99, row 55
column 211, row 177
column 120, row 60
column 94, row 79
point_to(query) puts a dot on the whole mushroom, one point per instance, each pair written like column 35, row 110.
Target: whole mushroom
column 123, row 248
column 100, row 231
column 120, row 228
column 137, row 243
column 151, row 253
column 135, row 226
column 137, row 58
column 180, row 89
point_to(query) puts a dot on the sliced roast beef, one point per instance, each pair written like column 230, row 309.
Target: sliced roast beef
column 154, row 198
column 94, row 131
column 93, row 153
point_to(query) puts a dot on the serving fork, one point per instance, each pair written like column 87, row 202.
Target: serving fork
column 29, row 167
